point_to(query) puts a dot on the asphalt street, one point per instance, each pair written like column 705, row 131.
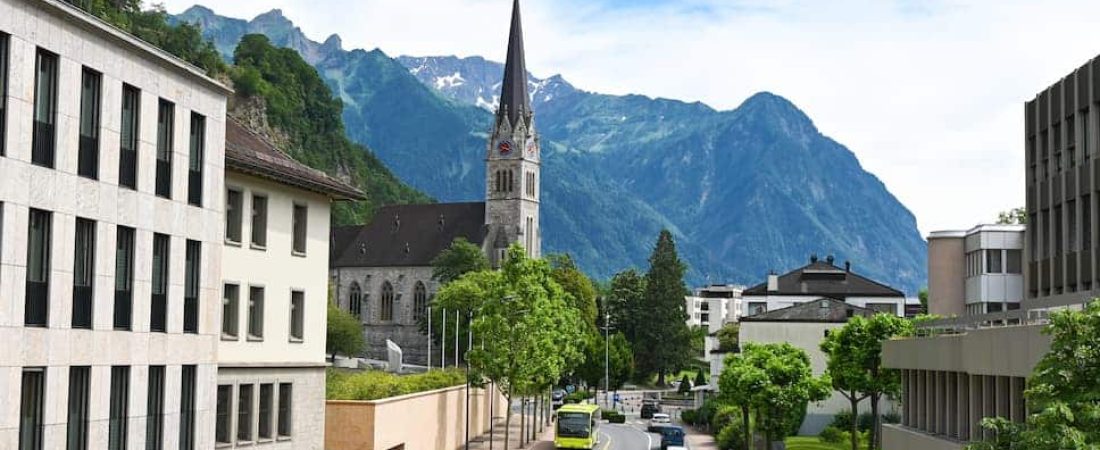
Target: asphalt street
column 627, row 436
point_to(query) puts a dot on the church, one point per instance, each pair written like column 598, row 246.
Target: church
column 382, row 271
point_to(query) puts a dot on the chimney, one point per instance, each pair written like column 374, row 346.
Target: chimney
column 813, row 258
column 847, row 266
column 829, row 259
column 773, row 282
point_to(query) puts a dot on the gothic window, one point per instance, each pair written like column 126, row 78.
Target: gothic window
column 355, row 301
column 387, row 302
column 420, row 301
column 510, row 181
column 496, row 181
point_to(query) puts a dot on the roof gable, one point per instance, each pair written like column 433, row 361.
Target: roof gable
column 822, row 278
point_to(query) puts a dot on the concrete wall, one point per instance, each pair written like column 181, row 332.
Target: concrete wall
column 896, row 437
column 426, row 420
column 80, row 42
column 946, row 275
column 1004, row 351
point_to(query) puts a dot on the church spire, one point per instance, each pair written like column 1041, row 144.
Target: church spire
column 514, row 101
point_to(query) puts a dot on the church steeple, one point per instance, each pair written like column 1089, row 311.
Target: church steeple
column 514, row 101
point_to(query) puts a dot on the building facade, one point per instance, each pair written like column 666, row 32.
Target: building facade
column 383, row 270
column 821, row 278
column 711, row 306
column 271, row 352
column 976, row 271
column 110, row 236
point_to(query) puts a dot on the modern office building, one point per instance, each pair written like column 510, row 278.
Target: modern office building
column 979, row 369
column 710, row 306
column 271, row 352
column 821, row 278
column 110, row 236
column 975, row 271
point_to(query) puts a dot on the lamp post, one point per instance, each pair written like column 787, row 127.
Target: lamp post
column 429, row 339
column 606, row 357
column 469, row 345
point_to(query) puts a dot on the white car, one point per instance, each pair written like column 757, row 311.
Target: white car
column 658, row 420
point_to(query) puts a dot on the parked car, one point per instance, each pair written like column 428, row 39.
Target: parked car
column 649, row 409
column 659, row 420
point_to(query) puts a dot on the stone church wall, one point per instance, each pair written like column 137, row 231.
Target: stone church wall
column 403, row 329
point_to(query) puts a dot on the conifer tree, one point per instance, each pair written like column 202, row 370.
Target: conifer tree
column 664, row 343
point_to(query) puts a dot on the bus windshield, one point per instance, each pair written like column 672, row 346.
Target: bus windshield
column 572, row 424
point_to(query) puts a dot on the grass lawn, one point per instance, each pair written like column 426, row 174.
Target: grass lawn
column 811, row 443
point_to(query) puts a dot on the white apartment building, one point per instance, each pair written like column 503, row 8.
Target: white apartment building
column 975, row 271
column 710, row 306
column 821, row 278
column 271, row 355
column 110, row 236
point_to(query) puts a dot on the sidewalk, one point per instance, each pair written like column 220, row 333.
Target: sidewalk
column 698, row 440
column 545, row 439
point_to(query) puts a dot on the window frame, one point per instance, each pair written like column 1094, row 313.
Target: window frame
column 128, row 161
column 192, row 285
column 255, row 330
column 5, row 67
column 45, row 157
column 227, row 414
column 196, row 156
column 234, row 216
column 34, row 410
column 125, row 296
column 88, row 144
column 76, row 428
column 36, row 311
column 299, row 229
column 233, row 306
column 245, row 413
column 355, row 300
column 296, row 330
column 165, row 146
column 258, row 222
column 84, row 253
column 188, row 385
column 284, row 411
column 119, row 409
column 154, row 411
column 269, row 415
column 159, row 283
column 386, row 302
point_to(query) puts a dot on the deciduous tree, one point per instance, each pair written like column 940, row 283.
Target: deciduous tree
column 345, row 333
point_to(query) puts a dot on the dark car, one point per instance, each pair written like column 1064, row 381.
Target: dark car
column 649, row 409
column 671, row 437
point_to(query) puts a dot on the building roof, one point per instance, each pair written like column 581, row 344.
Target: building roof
column 93, row 24
column 980, row 228
column 250, row 153
column 827, row 310
column 514, row 100
column 822, row 278
column 408, row 235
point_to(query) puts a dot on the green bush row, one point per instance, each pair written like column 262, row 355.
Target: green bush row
column 374, row 384
column 613, row 416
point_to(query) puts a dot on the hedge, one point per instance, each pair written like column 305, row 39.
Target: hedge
column 374, row 384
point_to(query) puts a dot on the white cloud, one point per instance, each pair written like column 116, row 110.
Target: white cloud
column 929, row 95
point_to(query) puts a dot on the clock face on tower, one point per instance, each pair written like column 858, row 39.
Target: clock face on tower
column 505, row 147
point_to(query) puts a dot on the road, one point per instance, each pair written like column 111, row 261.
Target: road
column 627, row 437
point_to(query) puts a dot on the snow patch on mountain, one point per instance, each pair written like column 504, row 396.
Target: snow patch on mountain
column 449, row 81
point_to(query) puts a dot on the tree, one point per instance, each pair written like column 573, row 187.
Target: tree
column 685, row 385
column 664, row 342
column 700, row 378
column 728, row 337
column 526, row 331
column 1014, row 216
column 460, row 258
column 580, row 288
column 1062, row 394
column 741, row 383
column 698, row 341
column 922, row 295
column 623, row 302
column 619, row 361
column 345, row 334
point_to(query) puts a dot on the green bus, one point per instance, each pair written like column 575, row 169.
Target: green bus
column 578, row 426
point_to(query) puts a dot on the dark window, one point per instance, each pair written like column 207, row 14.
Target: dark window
column 355, row 301
column 44, row 133
column 166, row 117
column 255, row 311
column 1071, row 211
column 420, row 301
column 244, row 413
column 120, row 408
column 230, row 301
column 1034, row 236
column 993, row 261
column 158, row 311
column 1059, row 241
column 993, row 307
column 192, row 269
column 300, row 223
column 4, row 39
column 1012, row 261
column 1085, row 149
column 263, row 429
column 195, row 159
column 1086, row 222
column 154, row 421
column 38, row 268
column 30, row 408
column 83, row 273
column 124, row 278
column 286, row 398
column 1071, row 140
column 1047, row 225
column 79, row 390
column 387, row 302
column 297, row 314
column 187, row 407
column 259, row 220
column 233, row 207
column 128, row 146
column 88, row 157
column 222, row 431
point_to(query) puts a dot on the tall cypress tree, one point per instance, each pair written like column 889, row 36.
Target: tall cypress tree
column 665, row 342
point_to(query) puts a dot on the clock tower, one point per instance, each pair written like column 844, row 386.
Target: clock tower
column 512, row 161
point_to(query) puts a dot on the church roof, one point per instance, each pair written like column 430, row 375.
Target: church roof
column 249, row 153
column 407, row 235
column 822, row 278
column 821, row 310
column 513, row 94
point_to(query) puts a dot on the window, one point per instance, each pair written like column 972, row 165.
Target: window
column 79, row 390
column 45, row 109
column 259, row 221
column 120, row 409
column 355, row 301
column 3, row 90
column 263, row 429
column 286, row 397
column 255, row 312
column 1086, row 222
column 230, row 300
column 88, row 146
column 195, row 159
column 124, row 278
column 993, row 307
column 297, row 315
column 1059, row 242
column 529, row 236
column 1071, row 210
column 1047, row 225
column 244, row 413
column 387, row 302
column 1012, row 261
column 420, row 301
column 300, row 220
column 83, row 273
column 38, row 268
column 993, row 261
column 1071, row 140
column 158, row 311
column 30, row 408
column 127, row 157
column 166, row 115
column 154, row 421
column 1085, row 149
column 187, row 408
column 882, row 308
column 757, row 308
column 192, row 269
column 222, row 431
column 1033, row 235
column 233, row 207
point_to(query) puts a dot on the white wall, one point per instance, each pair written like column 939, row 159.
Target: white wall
column 775, row 302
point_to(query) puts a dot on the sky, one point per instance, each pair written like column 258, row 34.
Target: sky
column 928, row 94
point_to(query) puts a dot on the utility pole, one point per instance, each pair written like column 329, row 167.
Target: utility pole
column 456, row 338
column 443, row 343
column 429, row 339
column 606, row 357
column 469, row 345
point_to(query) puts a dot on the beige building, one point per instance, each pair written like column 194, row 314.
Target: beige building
column 110, row 236
column 975, row 271
column 271, row 355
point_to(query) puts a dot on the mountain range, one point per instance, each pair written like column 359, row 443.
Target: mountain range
column 745, row 191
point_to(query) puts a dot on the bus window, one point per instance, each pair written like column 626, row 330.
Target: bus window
column 571, row 424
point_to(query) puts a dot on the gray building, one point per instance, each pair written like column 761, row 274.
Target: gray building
column 382, row 271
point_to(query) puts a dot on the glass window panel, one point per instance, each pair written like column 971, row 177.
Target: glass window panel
column 244, row 413
column 222, row 425
column 286, row 397
column 259, row 220
column 233, row 205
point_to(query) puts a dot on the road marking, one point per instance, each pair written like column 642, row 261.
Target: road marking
column 606, row 444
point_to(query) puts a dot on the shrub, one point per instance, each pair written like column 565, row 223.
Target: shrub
column 688, row 416
column 685, row 385
column 373, row 384
column 705, row 414
column 724, row 416
column 731, row 437
column 613, row 416
column 834, row 435
column 578, row 397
